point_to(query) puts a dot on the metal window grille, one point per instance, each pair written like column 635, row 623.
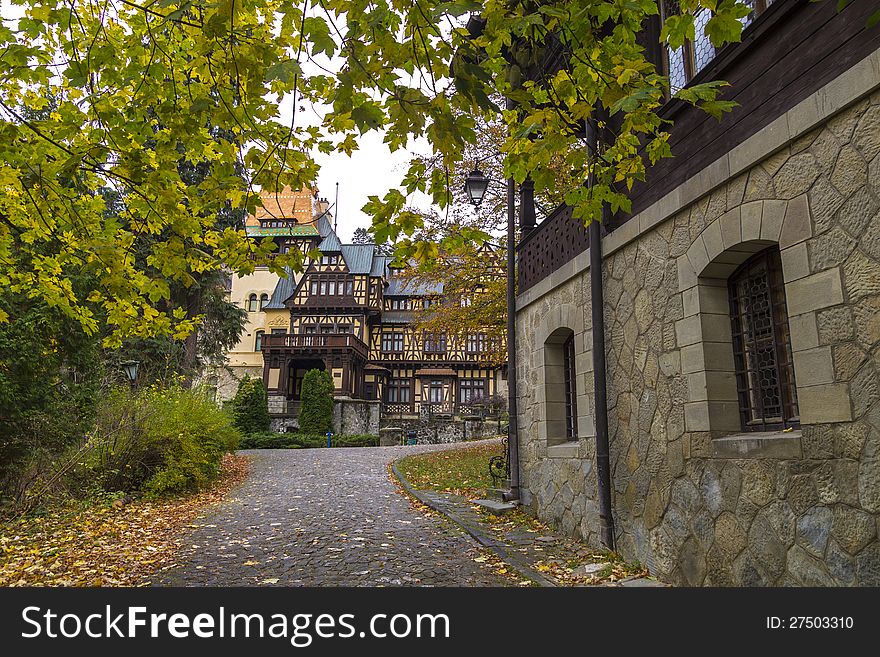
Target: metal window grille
column 762, row 345
column 570, row 389
column 685, row 62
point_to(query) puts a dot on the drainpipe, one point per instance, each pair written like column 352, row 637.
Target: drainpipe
column 512, row 431
column 597, row 298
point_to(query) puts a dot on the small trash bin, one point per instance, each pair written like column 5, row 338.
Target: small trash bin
column 411, row 437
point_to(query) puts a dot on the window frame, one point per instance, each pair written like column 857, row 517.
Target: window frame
column 474, row 387
column 435, row 343
column 475, row 343
column 750, row 344
column 395, row 388
column 393, row 342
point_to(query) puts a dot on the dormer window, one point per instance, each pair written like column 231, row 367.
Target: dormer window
column 329, row 259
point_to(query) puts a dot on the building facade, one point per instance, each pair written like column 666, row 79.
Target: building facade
column 286, row 217
column 353, row 315
column 742, row 321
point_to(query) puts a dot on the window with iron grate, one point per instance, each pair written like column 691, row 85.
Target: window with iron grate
column 568, row 368
column 685, row 62
column 761, row 344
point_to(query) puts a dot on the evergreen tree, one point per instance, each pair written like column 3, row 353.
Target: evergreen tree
column 316, row 410
column 250, row 408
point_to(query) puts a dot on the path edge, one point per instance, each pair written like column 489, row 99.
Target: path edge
column 481, row 537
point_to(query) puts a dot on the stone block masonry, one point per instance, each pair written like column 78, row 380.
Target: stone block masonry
column 695, row 498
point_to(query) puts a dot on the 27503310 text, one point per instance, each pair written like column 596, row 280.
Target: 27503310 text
column 810, row 623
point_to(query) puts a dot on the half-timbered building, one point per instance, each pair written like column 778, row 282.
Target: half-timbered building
column 353, row 315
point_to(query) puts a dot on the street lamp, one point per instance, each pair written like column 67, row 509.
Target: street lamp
column 476, row 185
column 130, row 367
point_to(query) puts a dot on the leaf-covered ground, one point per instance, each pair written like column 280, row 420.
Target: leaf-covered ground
column 487, row 558
column 462, row 476
column 105, row 545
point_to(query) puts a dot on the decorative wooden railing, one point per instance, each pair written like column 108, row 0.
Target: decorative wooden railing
column 315, row 342
column 398, row 408
column 554, row 242
column 391, row 409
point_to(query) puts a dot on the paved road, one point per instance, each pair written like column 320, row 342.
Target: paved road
column 326, row 517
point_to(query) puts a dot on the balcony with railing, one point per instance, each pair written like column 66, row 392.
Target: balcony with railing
column 304, row 343
column 551, row 244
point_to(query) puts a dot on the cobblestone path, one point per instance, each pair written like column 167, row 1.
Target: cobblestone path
column 325, row 517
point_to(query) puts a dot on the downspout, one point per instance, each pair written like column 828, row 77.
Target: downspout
column 597, row 301
column 512, row 431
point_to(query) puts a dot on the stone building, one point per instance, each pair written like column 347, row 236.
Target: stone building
column 742, row 320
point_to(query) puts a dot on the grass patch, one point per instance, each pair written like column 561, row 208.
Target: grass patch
column 459, row 471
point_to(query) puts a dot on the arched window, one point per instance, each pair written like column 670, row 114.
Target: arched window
column 258, row 340
column 761, row 344
column 264, row 299
column 252, row 303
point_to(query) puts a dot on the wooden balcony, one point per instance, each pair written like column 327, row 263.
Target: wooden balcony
column 322, row 343
column 551, row 244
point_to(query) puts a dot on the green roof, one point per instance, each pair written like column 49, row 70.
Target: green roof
column 286, row 231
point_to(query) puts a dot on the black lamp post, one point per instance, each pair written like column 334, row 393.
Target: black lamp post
column 130, row 367
column 476, row 185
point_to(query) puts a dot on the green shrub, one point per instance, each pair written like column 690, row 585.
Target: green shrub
column 50, row 375
column 299, row 441
column 316, row 410
column 159, row 442
column 269, row 441
column 250, row 407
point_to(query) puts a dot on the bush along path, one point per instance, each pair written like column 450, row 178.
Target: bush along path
column 106, row 543
column 449, row 482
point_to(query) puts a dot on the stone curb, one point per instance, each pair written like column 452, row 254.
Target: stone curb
column 523, row 569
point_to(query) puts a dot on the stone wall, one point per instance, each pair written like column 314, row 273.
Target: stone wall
column 694, row 499
column 444, row 430
column 355, row 416
column 226, row 379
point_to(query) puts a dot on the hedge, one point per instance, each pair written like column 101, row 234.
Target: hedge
column 299, row 441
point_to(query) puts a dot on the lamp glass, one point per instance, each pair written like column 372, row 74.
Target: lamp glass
column 476, row 185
